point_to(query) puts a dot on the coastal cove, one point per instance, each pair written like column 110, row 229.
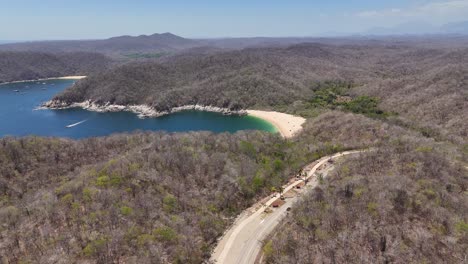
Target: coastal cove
column 19, row 116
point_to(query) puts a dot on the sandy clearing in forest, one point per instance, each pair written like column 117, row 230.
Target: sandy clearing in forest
column 287, row 125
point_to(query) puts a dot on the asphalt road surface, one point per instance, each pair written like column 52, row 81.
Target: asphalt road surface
column 241, row 244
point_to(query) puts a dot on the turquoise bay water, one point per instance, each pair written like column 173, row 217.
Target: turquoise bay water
column 18, row 117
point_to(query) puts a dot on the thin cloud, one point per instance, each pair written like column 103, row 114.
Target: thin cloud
column 382, row 13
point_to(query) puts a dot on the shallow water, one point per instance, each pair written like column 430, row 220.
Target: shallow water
column 18, row 116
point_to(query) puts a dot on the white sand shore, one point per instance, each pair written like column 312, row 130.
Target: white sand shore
column 287, row 125
column 70, row 78
column 45, row 79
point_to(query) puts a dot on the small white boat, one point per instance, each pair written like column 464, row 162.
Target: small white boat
column 75, row 124
column 16, row 91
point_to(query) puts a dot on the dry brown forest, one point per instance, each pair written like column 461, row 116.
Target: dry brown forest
column 166, row 198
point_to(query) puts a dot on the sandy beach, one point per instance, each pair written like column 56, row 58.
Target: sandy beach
column 45, row 79
column 287, row 125
column 70, row 78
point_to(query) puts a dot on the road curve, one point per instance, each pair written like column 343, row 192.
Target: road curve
column 242, row 242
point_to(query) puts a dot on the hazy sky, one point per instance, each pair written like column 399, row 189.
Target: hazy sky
column 78, row 19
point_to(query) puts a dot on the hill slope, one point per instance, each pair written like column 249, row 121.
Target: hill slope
column 149, row 198
column 426, row 88
column 234, row 79
column 17, row 66
column 166, row 198
column 404, row 203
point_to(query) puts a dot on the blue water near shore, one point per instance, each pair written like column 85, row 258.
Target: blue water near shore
column 18, row 116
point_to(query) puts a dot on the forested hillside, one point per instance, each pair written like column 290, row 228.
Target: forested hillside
column 151, row 197
column 158, row 197
column 17, row 66
column 166, row 198
column 404, row 203
column 425, row 89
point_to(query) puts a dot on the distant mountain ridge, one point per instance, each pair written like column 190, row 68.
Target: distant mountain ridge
column 165, row 42
column 420, row 28
column 157, row 45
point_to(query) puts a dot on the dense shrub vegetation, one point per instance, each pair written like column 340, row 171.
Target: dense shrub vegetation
column 405, row 203
column 151, row 197
column 156, row 197
column 336, row 95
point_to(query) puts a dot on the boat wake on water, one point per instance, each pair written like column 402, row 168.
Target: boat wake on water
column 75, row 124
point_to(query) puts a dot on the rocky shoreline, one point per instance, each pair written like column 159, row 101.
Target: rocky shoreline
column 143, row 111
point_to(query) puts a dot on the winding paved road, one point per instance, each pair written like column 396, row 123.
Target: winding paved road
column 242, row 242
